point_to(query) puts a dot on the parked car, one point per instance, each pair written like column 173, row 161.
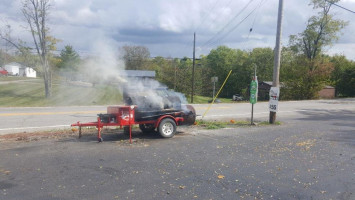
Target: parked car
column 237, row 97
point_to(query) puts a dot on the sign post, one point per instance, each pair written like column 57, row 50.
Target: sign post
column 253, row 95
column 214, row 79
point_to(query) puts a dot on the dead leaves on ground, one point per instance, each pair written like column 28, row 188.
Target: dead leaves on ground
column 5, row 172
column 306, row 144
column 220, row 176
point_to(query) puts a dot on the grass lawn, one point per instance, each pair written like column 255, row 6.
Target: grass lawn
column 21, row 91
column 202, row 100
column 232, row 123
column 15, row 78
column 31, row 93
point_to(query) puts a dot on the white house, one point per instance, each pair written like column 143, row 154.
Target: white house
column 13, row 68
column 27, row 72
column 16, row 69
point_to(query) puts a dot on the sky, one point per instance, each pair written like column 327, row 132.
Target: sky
column 166, row 27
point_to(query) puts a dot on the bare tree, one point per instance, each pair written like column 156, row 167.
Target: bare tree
column 36, row 13
column 5, row 34
column 135, row 57
column 19, row 45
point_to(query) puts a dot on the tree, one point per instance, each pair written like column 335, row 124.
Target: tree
column 346, row 86
column 135, row 57
column 22, row 51
column 322, row 31
column 69, row 59
column 220, row 61
column 343, row 75
column 36, row 13
column 264, row 60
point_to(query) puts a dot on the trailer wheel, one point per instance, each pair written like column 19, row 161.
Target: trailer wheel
column 167, row 128
column 146, row 128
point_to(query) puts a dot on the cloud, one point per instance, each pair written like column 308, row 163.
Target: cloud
column 167, row 27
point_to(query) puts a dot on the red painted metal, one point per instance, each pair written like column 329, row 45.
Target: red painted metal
column 176, row 119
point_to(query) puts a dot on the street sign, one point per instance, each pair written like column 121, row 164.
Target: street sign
column 254, row 91
column 274, row 99
column 214, row 79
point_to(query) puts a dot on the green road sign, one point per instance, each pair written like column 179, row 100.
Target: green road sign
column 254, row 91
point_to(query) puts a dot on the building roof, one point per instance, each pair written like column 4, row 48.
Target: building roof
column 138, row 73
column 14, row 64
column 270, row 83
column 17, row 64
column 328, row 87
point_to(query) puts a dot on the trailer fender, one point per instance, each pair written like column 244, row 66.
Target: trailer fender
column 163, row 117
column 175, row 119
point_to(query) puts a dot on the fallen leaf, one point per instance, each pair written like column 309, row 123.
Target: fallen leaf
column 220, row 176
column 181, row 187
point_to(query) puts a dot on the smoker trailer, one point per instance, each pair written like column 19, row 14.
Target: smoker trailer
column 165, row 121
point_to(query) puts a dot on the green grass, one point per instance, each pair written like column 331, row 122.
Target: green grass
column 211, row 124
column 22, row 91
column 15, row 78
column 231, row 123
column 267, row 123
column 31, row 93
column 203, row 99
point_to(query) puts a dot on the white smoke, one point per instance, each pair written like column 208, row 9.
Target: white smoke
column 106, row 67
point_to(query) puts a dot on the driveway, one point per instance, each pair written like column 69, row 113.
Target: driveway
column 310, row 156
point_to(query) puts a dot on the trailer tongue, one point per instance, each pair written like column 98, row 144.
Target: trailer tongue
column 165, row 121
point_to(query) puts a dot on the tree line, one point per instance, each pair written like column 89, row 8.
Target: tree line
column 301, row 78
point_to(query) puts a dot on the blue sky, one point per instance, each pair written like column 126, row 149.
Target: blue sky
column 166, row 27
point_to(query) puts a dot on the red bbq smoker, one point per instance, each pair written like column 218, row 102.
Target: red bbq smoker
column 164, row 121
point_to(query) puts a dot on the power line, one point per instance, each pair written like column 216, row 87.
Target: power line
column 207, row 14
column 252, row 26
column 236, row 26
column 186, row 46
column 230, row 21
column 340, row 6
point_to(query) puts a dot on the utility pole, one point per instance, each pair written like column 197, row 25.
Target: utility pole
column 193, row 71
column 277, row 57
column 175, row 72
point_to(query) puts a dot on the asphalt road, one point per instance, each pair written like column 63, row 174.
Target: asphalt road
column 14, row 120
column 310, row 156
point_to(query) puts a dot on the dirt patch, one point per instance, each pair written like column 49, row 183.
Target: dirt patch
column 90, row 134
column 35, row 136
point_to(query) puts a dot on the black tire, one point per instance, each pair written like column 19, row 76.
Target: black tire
column 100, row 139
column 147, row 128
column 167, row 128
